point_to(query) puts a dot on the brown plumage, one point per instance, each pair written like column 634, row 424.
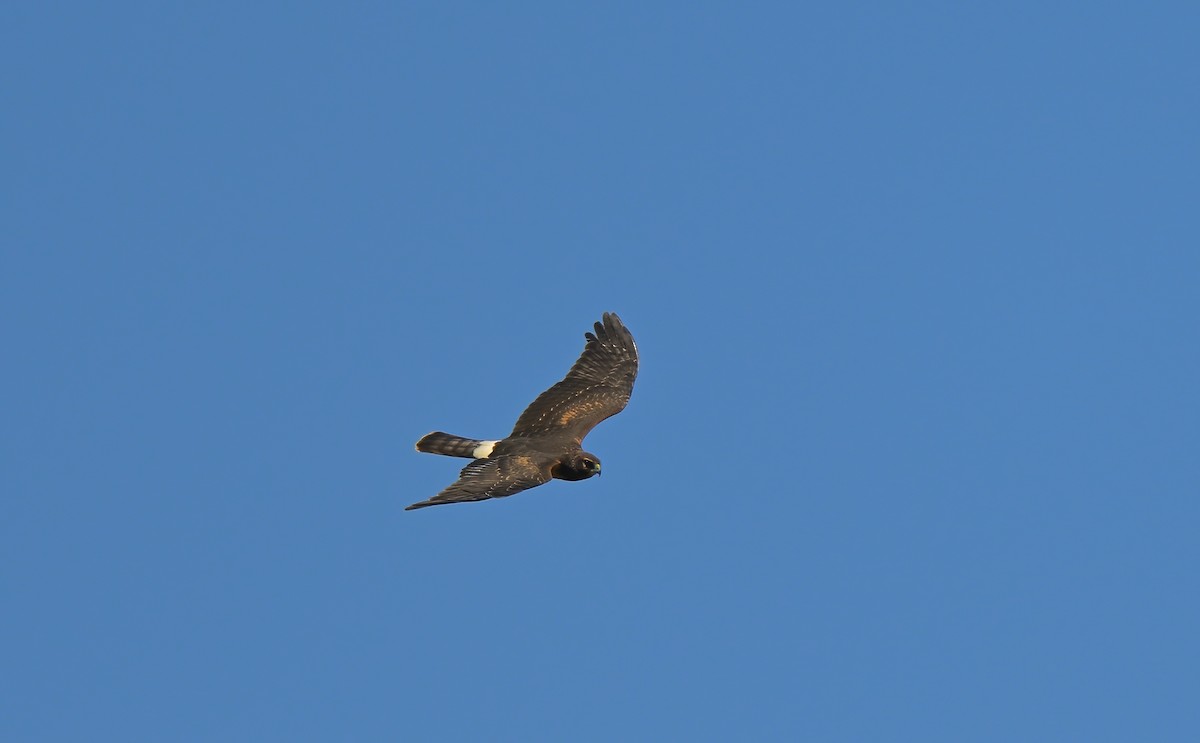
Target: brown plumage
column 547, row 441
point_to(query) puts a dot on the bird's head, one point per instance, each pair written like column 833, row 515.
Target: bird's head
column 589, row 463
column 579, row 466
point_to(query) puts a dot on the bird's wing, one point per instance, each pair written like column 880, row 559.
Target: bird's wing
column 597, row 387
column 496, row 477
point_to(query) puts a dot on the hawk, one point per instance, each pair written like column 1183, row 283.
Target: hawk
column 547, row 441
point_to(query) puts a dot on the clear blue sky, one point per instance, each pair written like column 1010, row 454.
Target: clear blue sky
column 912, row 455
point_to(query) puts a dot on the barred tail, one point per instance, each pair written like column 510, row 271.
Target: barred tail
column 454, row 446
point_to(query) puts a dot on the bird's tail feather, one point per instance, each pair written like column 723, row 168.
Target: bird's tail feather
column 451, row 446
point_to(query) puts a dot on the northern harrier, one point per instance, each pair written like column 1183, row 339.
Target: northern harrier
column 547, row 441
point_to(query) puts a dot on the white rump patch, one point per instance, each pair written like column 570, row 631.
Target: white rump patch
column 484, row 450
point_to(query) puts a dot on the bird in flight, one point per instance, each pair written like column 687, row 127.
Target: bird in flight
column 547, row 442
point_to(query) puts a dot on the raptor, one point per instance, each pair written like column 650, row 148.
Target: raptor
column 547, row 441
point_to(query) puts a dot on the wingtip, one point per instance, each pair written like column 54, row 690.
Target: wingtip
column 614, row 323
column 611, row 327
column 610, row 324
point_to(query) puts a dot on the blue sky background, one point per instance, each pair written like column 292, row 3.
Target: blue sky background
column 912, row 455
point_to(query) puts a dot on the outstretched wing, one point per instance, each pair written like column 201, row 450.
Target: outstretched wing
column 597, row 387
column 496, row 477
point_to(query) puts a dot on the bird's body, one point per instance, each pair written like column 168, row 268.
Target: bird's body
column 547, row 441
